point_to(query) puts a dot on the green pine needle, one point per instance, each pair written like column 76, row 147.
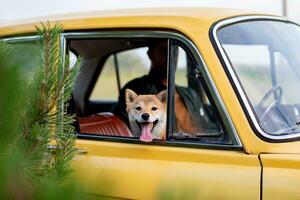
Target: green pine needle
column 44, row 116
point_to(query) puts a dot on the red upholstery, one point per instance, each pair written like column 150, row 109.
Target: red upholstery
column 104, row 124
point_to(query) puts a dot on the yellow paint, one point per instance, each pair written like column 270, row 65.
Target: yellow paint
column 281, row 176
column 137, row 171
column 158, row 17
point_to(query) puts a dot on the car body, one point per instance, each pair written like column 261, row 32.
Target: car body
column 256, row 162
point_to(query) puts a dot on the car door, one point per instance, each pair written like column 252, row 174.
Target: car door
column 281, row 175
column 185, row 165
column 139, row 171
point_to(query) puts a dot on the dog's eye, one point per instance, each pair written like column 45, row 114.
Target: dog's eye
column 154, row 108
column 138, row 108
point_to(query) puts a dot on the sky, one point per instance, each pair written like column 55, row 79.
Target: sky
column 15, row 10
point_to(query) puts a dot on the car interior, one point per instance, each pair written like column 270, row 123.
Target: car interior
column 115, row 59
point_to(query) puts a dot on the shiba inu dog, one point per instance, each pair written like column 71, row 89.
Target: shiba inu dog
column 147, row 115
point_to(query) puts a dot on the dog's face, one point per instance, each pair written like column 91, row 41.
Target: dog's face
column 147, row 114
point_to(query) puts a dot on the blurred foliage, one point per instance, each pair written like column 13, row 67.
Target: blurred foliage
column 33, row 113
column 27, row 53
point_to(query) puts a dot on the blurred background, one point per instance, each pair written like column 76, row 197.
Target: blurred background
column 15, row 10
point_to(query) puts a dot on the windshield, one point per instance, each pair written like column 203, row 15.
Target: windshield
column 265, row 58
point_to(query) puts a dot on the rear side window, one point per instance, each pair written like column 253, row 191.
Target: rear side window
column 24, row 54
column 119, row 69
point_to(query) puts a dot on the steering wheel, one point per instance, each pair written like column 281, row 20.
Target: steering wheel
column 277, row 90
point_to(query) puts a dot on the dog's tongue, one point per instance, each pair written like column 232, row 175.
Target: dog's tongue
column 146, row 132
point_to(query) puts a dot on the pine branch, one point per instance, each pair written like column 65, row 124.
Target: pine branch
column 45, row 117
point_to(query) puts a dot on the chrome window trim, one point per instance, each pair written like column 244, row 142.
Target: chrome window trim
column 195, row 52
column 234, row 77
column 20, row 38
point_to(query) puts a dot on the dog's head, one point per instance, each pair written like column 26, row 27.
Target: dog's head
column 146, row 113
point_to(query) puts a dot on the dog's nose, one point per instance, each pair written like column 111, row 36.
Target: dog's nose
column 145, row 116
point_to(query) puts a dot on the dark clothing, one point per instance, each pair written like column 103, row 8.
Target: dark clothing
column 201, row 114
column 148, row 85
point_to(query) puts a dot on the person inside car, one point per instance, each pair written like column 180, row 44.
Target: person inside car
column 187, row 102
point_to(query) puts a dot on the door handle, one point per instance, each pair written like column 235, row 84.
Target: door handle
column 53, row 148
column 81, row 151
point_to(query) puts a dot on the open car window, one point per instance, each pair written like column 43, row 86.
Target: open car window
column 138, row 89
column 194, row 116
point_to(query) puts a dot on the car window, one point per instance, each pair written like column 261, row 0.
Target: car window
column 24, row 54
column 126, row 82
column 194, row 115
column 283, row 70
column 252, row 63
column 266, row 64
column 126, row 85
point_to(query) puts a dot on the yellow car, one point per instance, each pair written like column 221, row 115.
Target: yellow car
column 232, row 107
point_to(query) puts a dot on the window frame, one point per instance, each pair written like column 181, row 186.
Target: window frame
column 235, row 82
column 202, row 67
column 15, row 39
column 204, row 89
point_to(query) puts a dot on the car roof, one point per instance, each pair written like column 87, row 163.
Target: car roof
column 98, row 19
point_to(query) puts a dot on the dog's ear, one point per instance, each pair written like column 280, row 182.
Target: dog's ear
column 162, row 96
column 130, row 96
